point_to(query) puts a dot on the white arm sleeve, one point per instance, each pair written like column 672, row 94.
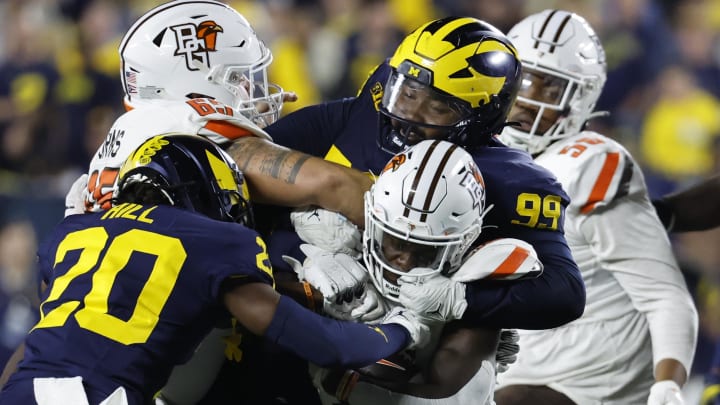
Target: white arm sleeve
column 639, row 255
column 479, row 390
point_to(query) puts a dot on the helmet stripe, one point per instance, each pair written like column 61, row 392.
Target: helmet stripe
column 559, row 31
column 433, row 182
column 544, row 26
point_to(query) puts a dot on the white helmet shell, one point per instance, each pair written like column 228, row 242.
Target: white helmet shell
column 198, row 48
column 431, row 198
column 563, row 45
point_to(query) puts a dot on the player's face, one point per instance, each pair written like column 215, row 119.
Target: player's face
column 542, row 88
column 404, row 256
column 419, row 111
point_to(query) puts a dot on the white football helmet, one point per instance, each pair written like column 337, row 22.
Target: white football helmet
column 429, row 203
column 561, row 47
column 199, row 48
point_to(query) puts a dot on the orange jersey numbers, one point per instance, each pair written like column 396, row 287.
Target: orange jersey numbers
column 99, row 181
column 580, row 146
column 205, row 106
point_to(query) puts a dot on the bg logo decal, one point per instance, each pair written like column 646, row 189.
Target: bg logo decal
column 196, row 42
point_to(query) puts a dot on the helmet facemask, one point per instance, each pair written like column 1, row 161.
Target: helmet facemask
column 412, row 111
column 383, row 243
column 470, row 65
column 254, row 95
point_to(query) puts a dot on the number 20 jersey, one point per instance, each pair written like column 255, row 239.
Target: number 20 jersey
column 133, row 291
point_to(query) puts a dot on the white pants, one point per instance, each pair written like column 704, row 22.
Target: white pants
column 607, row 362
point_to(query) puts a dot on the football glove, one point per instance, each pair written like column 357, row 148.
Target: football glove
column 75, row 198
column 665, row 392
column 370, row 307
column 336, row 275
column 419, row 331
column 435, row 299
column 327, row 230
column 507, row 350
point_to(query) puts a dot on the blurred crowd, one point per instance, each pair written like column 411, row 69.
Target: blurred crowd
column 59, row 94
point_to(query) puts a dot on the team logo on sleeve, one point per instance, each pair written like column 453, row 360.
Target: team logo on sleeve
column 195, row 42
column 395, row 162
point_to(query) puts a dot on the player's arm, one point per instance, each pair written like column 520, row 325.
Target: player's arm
column 691, row 209
column 458, row 357
column 323, row 341
column 641, row 260
column 282, row 176
column 12, row 363
column 461, row 371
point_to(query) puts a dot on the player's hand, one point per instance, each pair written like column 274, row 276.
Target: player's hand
column 369, row 307
column 327, row 230
column 508, row 349
column 75, row 198
column 436, row 299
column 419, row 331
column 665, row 392
column 336, row 275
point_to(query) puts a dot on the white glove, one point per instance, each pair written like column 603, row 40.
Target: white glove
column 419, row 332
column 437, row 298
column 75, row 198
column 665, row 392
column 327, row 230
column 370, row 307
column 336, row 275
column 507, row 350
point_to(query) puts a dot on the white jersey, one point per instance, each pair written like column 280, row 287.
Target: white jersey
column 638, row 308
column 200, row 116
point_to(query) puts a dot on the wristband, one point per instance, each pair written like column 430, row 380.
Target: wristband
column 309, row 295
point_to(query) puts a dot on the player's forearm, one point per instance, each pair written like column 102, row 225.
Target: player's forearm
column 692, row 209
column 12, row 363
column 281, row 176
column 330, row 343
column 671, row 369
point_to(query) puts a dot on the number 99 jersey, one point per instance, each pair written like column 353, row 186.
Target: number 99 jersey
column 133, row 291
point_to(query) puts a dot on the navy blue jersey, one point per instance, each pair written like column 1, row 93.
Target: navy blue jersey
column 132, row 292
column 528, row 203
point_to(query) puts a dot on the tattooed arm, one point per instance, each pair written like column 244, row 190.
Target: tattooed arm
column 282, row 176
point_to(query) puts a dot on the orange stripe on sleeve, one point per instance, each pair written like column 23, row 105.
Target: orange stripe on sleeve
column 227, row 129
column 511, row 264
column 602, row 183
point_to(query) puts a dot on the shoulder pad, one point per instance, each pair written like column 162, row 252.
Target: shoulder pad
column 593, row 169
column 506, row 258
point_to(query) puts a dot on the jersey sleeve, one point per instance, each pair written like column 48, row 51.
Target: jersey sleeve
column 529, row 204
column 639, row 255
column 240, row 257
column 312, row 129
column 594, row 171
